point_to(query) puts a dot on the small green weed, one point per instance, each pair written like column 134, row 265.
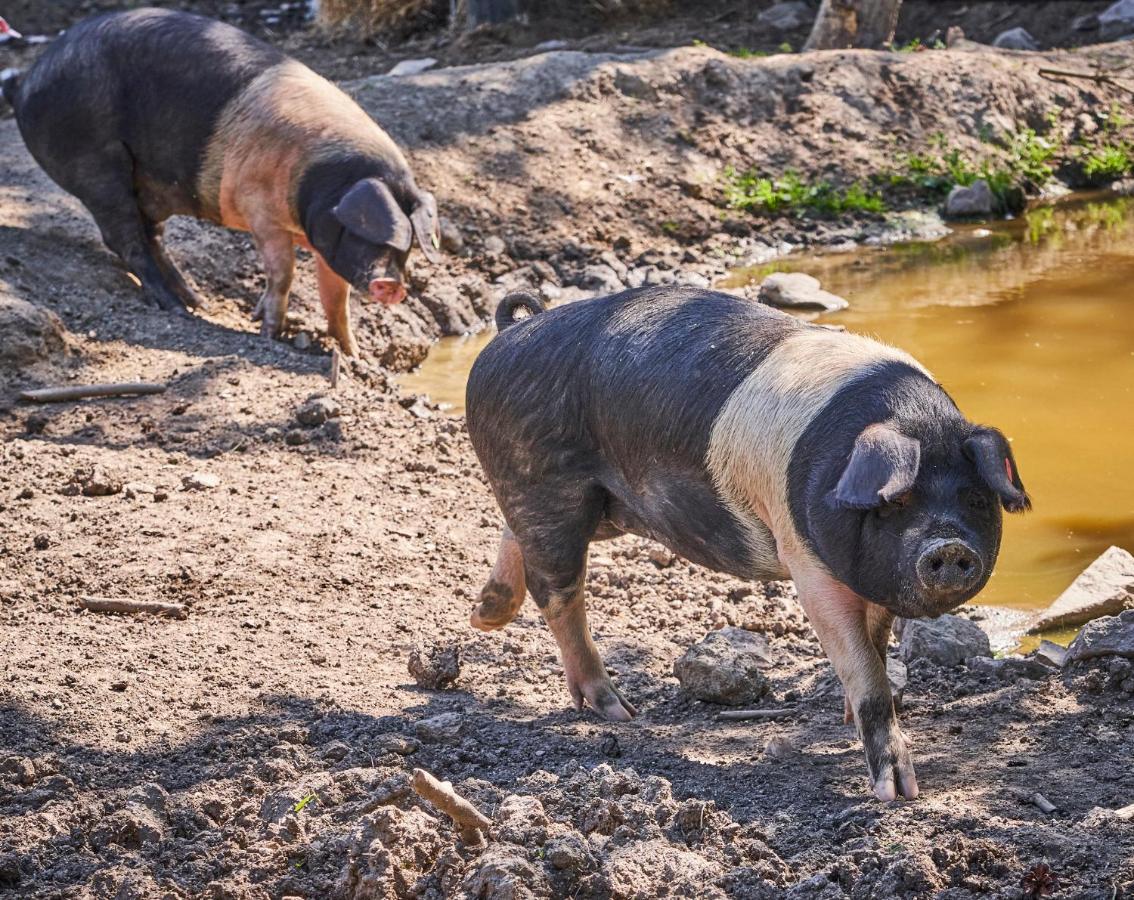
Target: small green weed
column 301, row 805
column 791, row 195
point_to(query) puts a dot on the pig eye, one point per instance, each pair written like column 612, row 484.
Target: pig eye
column 899, row 503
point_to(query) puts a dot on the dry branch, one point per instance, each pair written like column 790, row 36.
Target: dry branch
column 1045, row 805
column 468, row 818
column 1098, row 77
column 741, row 715
column 132, row 607
column 83, row 391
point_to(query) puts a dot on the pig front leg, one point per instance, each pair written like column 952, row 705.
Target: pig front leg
column 879, row 622
column 334, row 292
column 277, row 252
column 503, row 595
column 840, row 619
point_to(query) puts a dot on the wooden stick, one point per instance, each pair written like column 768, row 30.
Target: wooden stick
column 1097, row 77
column 132, row 607
column 468, row 818
column 1045, row 805
column 336, row 362
column 83, row 391
column 741, row 715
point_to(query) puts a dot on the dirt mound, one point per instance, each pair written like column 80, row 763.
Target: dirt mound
column 31, row 334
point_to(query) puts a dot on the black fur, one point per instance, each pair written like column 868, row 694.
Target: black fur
column 874, row 549
column 9, row 83
column 506, row 309
column 598, row 414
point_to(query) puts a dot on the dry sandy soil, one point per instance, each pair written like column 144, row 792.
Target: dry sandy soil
column 261, row 746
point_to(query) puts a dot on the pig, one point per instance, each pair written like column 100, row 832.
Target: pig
column 746, row 441
column 147, row 114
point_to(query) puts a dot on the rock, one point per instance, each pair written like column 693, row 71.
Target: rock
column 795, row 290
column 661, row 557
column 780, row 747
column 1088, row 22
column 130, row 827
column 445, row 728
column 1123, row 188
column 200, row 481
column 1108, row 636
column 412, row 66
column 1051, row 654
column 31, row 334
column 452, row 241
column 1104, row 588
column 725, row 667
column 521, row 819
column 36, row 423
column 946, row 641
column 18, row 770
column 494, row 246
column 501, row 874
column 316, row 411
column 1015, row 39
column 898, row 677
column 302, row 341
column 96, row 482
column 786, row 16
column 974, row 201
column 134, row 489
column 600, row 277
column 1011, row 668
column 1116, row 21
column 436, row 668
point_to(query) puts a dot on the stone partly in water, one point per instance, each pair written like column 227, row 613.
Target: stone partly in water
column 1015, row 39
column 795, row 290
column 974, row 201
column 725, row 667
column 1108, row 636
column 1105, row 588
column 947, row 640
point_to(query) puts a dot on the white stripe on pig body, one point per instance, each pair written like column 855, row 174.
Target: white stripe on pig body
column 758, row 427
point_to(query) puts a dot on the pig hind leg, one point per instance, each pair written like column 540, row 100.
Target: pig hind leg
column 173, row 276
column 555, row 565
column 503, row 595
column 277, row 252
column 105, row 185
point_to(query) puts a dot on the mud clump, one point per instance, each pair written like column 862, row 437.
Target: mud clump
column 31, row 334
column 435, row 668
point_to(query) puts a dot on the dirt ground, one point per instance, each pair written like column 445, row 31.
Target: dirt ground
column 261, row 747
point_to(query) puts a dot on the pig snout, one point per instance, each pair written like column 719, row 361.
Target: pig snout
column 948, row 567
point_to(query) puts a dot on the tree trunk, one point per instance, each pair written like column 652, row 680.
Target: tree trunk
column 854, row 23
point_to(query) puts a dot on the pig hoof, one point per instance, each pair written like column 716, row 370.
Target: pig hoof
column 895, row 770
column 604, row 698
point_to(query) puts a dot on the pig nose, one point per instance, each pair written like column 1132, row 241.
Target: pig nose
column 948, row 566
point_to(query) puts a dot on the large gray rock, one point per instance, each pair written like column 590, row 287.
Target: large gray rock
column 725, row 667
column 947, row 640
column 974, row 201
column 1117, row 20
column 795, row 290
column 1015, row 39
column 1108, row 636
column 1104, row 588
column 786, row 16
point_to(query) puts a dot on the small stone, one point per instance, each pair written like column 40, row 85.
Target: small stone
column 134, row 489
column 41, row 541
column 796, row 290
column 779, row 747
column 946, row 641
column 436, row 668
column 316, row 411
column 1015, row 39
column 452, row 241
column 661, row 557
column 445, row 728
column 786, row 16
column 412, row 67
column 296, row 436
column 600, row 277
column 974, row 201
column 494, row 246
column 1108, row 636
column 725, row 667
column 199, row 481
column 36, row 423
column 18, row 770
column 26, row 494
column 569, row 853
column 1104, row 588
column 302, row 341
column 160, row 496
column 97, row 482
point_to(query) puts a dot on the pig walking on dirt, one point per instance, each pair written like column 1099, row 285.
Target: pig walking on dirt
column 745, row 441
column 147, row 114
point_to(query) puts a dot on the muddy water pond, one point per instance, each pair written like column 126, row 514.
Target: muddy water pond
column 1029, row 324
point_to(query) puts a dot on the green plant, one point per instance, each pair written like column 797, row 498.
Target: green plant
column 299, row 807
column 790, row 194
column 1109, row 162
column 745, row 53
column 785, row 47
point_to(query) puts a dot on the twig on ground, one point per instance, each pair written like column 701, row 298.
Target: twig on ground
column 1045, row 805
column 1099, row 77
column 336, row 363
column 468, row 818
column 740, row 715
column 133, row 607
column 83, row 391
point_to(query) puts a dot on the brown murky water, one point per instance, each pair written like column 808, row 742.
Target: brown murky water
column 1030, row 327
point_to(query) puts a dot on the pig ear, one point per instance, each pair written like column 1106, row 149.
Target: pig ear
column 427, row 227
column 370, row 211
column 988, row 450
column 882, row 467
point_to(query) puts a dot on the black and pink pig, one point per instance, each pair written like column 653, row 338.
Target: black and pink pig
column 745, row 441
column 150, row 113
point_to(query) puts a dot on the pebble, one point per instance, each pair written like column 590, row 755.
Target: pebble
column 316, row 411
column 725, row 667
column 41, row 541
column 445, row 728
column 199, row 481
column 302, row 341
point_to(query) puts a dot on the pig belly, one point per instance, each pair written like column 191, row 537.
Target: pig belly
column 683, row 511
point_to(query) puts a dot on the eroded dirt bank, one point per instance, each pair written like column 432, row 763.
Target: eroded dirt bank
column 261, row 746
